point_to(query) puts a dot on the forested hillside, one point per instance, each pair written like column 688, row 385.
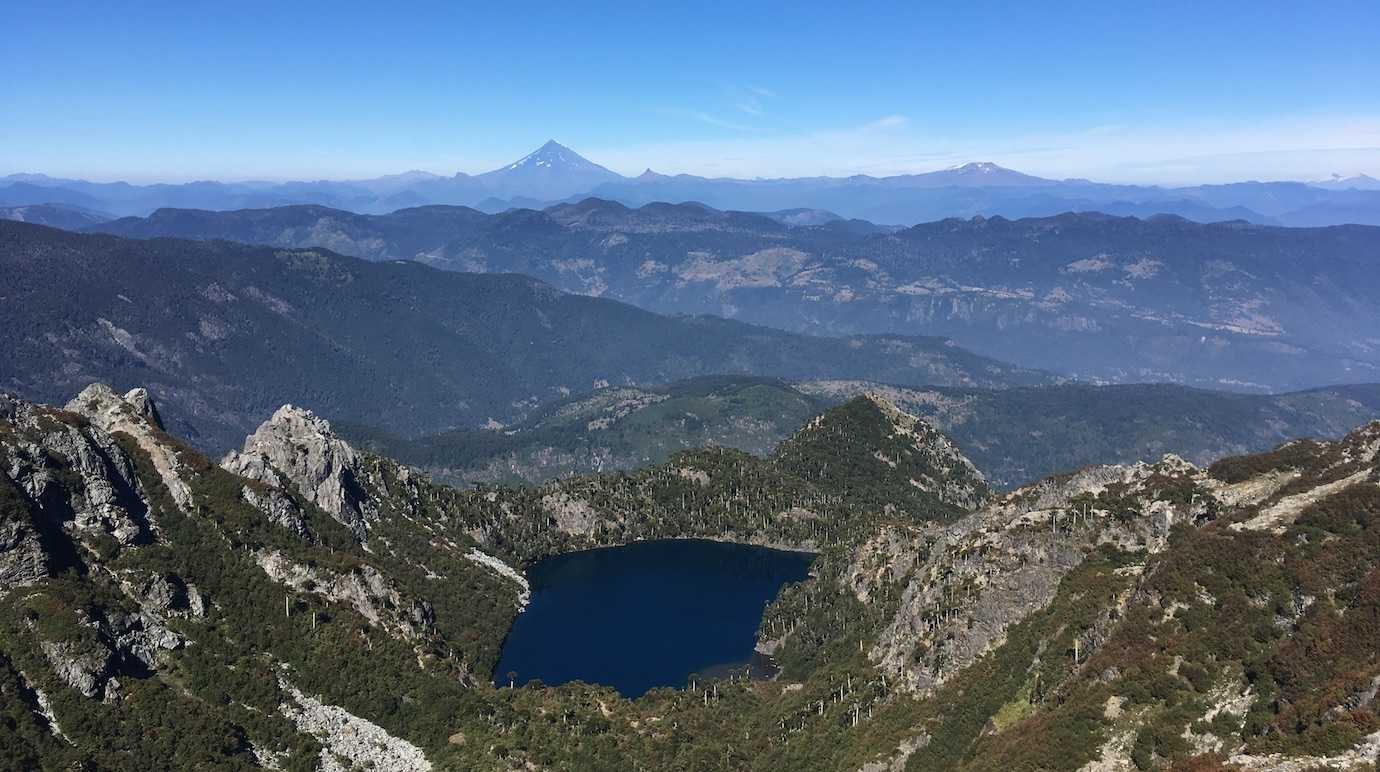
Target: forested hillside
column 305, row 603
column 1015, row 435
column 1226, row 305
column 223, row 334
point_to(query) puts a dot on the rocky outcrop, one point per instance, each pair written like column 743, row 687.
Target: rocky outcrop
column 135, row 415
column 86, row 670
column 365, row 589
column 570, row 514
column 119, row 645
column 297, row 450
column 22, row 558
column 343, row 735
column 139, row 399
column 964, row 585
column 164, row 595
column 278, row 507
column 66, row 486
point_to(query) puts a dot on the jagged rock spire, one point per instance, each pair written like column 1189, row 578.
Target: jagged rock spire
column 136, row 415
column 297, row 449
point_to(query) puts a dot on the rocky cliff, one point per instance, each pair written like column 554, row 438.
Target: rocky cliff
column 134, row 570
column 1059, row 608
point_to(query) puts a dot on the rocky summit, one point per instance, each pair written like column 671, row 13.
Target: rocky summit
column 305, row 604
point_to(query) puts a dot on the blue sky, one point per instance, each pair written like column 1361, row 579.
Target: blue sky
column 1138, row 92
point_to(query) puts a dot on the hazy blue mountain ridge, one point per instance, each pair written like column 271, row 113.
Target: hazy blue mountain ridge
column 1226, row 305
column 555, row 173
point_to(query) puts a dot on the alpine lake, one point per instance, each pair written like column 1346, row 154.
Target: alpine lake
column 646, row 615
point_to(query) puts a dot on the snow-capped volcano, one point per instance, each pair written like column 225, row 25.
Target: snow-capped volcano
column 554, row 154
column 984, row 174
column 977, row 167
column 551, row 172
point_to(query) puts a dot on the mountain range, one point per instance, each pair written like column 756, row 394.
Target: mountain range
column 304, row 604
column 1119, row 299
column 554, row 174
column 220, row 332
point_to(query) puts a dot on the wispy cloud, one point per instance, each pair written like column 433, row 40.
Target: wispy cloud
column 1107, row 128
column 714, row 120
column 889, row 122
column 752, row 100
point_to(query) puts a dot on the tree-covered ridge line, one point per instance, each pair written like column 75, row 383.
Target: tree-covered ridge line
column 608, row 429
column 1015, row 436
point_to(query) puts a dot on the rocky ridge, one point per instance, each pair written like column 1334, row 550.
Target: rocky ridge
column 336, row 608
column 963, row 590
column 100, row 510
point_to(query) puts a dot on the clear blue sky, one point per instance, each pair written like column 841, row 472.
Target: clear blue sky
column 1162, row 91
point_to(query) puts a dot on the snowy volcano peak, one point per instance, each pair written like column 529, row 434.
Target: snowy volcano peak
column 981, row 174
column 554, row 155
column 549, row 173
column 979, row 167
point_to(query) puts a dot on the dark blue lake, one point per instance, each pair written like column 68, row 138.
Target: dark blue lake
column 645, row 615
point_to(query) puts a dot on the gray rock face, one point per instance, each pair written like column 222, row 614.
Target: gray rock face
column 135, row 415
column 964, row 585
column 67, row 484
column 143, row 406
column 278, row 507
column 375, row 596
column 986, row 572
column 142, row 637
column 87, row 670
column 22, row 559
column 297, row 449
column 165, row 596
column 122, row 644
column 345, row 736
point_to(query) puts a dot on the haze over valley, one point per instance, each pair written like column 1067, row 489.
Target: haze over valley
column 553, row 173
